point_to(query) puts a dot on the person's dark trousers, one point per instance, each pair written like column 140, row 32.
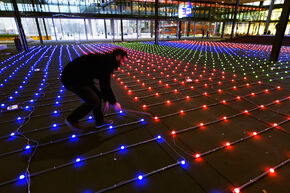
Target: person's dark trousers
column 92, row 101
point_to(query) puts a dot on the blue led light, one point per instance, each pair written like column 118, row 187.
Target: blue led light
column 2, row 105
column 31, row 100
column 121, row 112
column 73, row 136
column 159, row 137
column 10, row 97
column 27, row 147
column 140, row 177
column 110, row 127
column 12, row 134
column 56, row 102
column 26, row 107
column 55, row 112
column 90, row 117
column 54, row 125
column 19, row 118
column 122, row 147
column 21, row 177
column 142, row 120
column 78, row 160
column 183, row 162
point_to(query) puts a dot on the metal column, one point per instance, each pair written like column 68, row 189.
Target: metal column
column 122, row 33
column 45, row 29
column 269, row 17
column 281, row 27
column 137, row 26
column 179, row 30
column 86, row 30
column 54, row 29
column 188, row 28
column 249, row 28
column 235, row 17
column 105, row 26
column 37, row 23
column 223, row 30
column 20, row 27
column 156, row 23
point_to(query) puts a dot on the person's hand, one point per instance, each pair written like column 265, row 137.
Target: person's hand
column 117, row 107
column 107, row 106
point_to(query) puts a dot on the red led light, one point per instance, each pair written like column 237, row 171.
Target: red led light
column 144, row 106
column 197, row 155
column 228, row 143
column 181, row 111
column 204, row 106
column 248, row 84
column 224, row 101
column 266, row 90
column 275, row 124
column 157, row 94
column 246, row 111
column 187, row 97
column 149, row 88
column 236, row 190
column 278, row 87
column 235, row 87
column 225, row 118
column 238, row 97
column 219, row 90
column 136, row 98
column 156, row 118
column 253, row 94
column 262, row 106
column 272, row 170
column 277, row 101
column 254, row 133
column 168, row 102
column 173, row 132
column 129, row 92
column 201, row 124
column 205, row 93
column 175, row 90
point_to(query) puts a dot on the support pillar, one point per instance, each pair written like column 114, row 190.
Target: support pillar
column 137, row 26
column 194, row 29
column 20, row 27
column 269, row 17
column 280, row 31
column 223, row 30
column 156, row 22
column 37, row 24
column 105, row 26
column 151, row 28
column 188, row 28
column 113, row 29
column 249, row 28
column 235, row 18
column 179, row 30
column 39, row 31
column 45, row 29
column 54, row 29
column 122, row 33
column 86, row 30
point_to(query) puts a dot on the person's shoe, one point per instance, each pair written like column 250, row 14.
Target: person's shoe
column 74, row 126
column 104, row 123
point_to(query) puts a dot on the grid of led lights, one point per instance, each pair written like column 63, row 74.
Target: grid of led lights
column 175, row 82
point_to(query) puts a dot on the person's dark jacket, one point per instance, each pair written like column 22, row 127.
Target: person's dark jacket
column 83, row 70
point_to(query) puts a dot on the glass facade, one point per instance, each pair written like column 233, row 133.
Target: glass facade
column 80, row 20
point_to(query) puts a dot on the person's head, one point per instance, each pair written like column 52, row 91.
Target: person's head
column 121, row 55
